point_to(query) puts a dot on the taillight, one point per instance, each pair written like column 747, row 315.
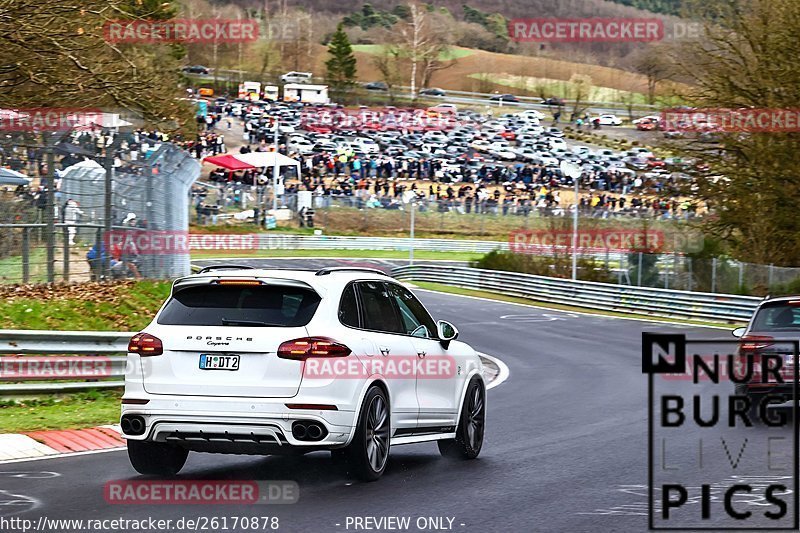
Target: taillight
column 302, row 349
column 145, row 345
column 752, row 343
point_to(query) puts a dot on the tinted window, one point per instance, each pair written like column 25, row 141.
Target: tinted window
column 380, row 313
column 211, row 305
column 778, row 316
column 348, row 309
column 412, row 312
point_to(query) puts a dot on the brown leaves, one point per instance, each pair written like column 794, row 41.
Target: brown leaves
column 106, row 292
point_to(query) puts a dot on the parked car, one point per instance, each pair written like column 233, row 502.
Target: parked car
column 609, row 120
column 504, row 98
column 376, row 86
column 433, row 91
column 196, row 69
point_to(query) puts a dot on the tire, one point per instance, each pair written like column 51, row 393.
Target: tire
column 368, row 453
column 471, row 425
column 156, row 458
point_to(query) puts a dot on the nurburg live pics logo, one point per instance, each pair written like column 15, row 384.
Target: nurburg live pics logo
column 705, row 429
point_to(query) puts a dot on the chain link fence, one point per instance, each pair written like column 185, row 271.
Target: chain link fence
column 113, row 192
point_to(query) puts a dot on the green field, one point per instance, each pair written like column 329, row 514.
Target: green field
column 452, row 53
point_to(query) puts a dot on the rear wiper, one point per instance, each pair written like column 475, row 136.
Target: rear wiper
column 229, row 322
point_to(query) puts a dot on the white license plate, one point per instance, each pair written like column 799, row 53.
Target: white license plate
column 219, row 362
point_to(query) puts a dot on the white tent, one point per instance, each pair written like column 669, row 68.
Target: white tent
column 268, row 159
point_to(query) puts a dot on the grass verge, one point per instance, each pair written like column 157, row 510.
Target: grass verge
column 69, row 411
column 450, row 289
column 123, row 306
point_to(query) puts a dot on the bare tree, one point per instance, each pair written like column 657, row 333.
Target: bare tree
column 654, row 65
column 57, row 54
column 387, row 61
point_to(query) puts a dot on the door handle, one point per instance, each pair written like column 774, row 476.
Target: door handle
column 384, row 350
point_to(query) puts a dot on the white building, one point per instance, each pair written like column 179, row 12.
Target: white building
column 310, row 94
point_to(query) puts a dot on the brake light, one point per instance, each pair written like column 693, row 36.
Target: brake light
column 145, row 345
column 302, row 349
column 247, row 282
column 751, row 343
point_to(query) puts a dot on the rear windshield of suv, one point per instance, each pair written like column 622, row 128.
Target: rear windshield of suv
column 232, row 305
column 777, row 316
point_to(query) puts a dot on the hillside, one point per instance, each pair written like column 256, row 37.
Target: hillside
column 666, row 7
column 508, row 8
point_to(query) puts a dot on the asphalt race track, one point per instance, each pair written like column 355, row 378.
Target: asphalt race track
column 565, row 449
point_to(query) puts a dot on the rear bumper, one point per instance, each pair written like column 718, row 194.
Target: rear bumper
column 236, row 425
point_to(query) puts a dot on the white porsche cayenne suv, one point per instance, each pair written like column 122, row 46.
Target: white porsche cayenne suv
column 272, row 361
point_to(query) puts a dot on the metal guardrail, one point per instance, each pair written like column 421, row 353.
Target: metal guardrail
column 101, row 343
column 590, row 295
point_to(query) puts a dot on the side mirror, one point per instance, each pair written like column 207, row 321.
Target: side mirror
column 446, row 333
column 738, row 332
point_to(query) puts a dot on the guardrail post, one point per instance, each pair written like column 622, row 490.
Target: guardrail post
column 741, row 275
column 769, row 281
column 66, row 253
column 639, row 271
column 690, row 273
column 713, row 274
column 666, row 278
column 675, row 267
column 26, row 258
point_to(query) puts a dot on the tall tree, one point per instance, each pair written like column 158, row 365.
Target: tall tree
column 341, row 66
column 56, row 54
column 748, row 58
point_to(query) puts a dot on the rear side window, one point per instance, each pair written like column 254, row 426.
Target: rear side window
column 348, row 308
column 231, row 305
column 778, row 316
column 380, row 312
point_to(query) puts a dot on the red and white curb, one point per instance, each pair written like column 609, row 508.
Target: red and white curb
column 40, row 444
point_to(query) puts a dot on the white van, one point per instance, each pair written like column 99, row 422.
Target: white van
column 296, row 77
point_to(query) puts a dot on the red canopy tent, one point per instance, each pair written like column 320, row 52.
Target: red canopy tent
column 228, row 162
